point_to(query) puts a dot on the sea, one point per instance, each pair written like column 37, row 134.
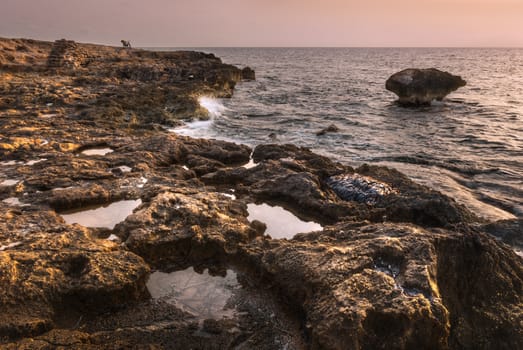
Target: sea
column 468, row 146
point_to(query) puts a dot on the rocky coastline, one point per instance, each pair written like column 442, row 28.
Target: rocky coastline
column 396, row 266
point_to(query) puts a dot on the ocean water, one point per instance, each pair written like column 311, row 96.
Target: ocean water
column 470, row 146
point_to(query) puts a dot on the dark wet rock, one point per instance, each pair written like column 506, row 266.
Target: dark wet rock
column 317, row 164
column 330, row 128
column 222, row 151
column 248, row 74
column 354, row 187
column 302, row 181
column 509, row 231
column 415, row 203
column 422, row 86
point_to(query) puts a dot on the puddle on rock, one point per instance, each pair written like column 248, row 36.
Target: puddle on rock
column 9, row 162
column 229, row 195
column 250, row 164
column 62, row 188
column 13, row 201
column 33, row 162
column 101, row 216
column 9, row 246
column 97, row 151
column 142, row 183
column 9, row 182
column 202, row 295
column 280, row 223
column 125, row 169
column 113, row 238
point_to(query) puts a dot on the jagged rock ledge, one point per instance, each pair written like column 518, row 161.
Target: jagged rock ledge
column 397, row 264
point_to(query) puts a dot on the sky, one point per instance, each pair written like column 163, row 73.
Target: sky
column 253, row 23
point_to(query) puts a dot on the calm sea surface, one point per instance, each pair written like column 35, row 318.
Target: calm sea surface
column 469, row 146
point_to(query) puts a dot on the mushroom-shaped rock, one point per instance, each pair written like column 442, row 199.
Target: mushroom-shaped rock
column 422, row 86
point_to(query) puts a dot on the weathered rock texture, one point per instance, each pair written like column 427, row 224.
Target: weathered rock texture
column 422, row 86
column 398, row 265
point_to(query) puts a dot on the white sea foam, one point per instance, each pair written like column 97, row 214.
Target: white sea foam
column 213, row 106
column 200, row 128
column 194, row 129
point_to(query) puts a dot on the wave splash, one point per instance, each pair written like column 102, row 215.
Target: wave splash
column 213, row 106
column 202, row 128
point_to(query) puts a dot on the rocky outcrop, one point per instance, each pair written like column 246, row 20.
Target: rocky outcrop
column 328, row 192
column 422, row 86
column 399, row 287
column 396, row 265
column 248, row 74
column 183, row 229
column 50, row 277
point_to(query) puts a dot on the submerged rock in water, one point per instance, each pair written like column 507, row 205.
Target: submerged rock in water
column 422, row 86
column 359, row 188
column 330, row 128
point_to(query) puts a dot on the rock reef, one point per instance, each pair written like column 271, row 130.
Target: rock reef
column 397, row 265
column 422, row 86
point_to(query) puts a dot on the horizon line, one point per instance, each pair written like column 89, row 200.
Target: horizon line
column 328, row 47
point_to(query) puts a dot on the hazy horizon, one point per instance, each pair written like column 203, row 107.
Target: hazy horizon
column 269, row 23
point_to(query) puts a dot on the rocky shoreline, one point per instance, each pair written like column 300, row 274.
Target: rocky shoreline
column 397, row 265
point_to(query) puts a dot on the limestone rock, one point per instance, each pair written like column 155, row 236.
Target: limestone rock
column 422, row 86
column 50, row 276
column 177, row 229
column 399, row 286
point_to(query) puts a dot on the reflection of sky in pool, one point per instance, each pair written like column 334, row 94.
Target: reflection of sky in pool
column 202, row 295
column 280, row 223
column 101, row 216
column 97, row 151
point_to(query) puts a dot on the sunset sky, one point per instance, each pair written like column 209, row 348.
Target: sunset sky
column 204, row 23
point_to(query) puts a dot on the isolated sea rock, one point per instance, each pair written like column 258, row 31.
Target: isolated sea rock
column 330, row 128
column 422, row 86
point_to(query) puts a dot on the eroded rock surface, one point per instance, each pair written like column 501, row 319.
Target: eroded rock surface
column 399, row 286
column 397, row 265
column 422, row 86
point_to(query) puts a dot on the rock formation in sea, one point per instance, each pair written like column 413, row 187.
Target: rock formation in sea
column 422, row 86
column 248, row 74
column 397, row 265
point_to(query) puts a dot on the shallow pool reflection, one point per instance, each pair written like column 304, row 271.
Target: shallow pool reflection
column 280, row 223
column 97, row 151
column 101, row 216
column 202, row 295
